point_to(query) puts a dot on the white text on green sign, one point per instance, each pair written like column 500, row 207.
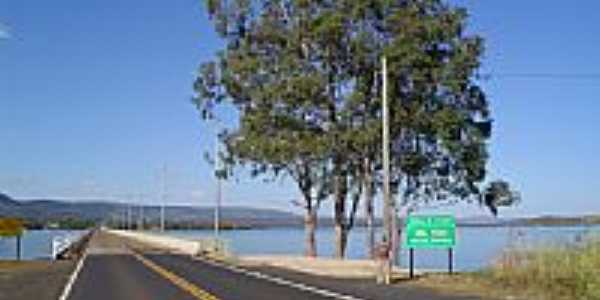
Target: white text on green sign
column 430, row 232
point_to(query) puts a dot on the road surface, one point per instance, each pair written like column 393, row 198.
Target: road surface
column 112, row 271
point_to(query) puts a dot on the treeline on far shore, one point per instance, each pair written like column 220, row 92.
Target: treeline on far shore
column 559, row 221
column 74, row 223
column 60, row 224
column 183, row 225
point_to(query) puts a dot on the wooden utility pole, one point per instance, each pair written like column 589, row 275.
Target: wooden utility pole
column 163, row 198
column 387, row 202
column 129, row 216
column 218, row 171
column 141, row 220
column 389, row 213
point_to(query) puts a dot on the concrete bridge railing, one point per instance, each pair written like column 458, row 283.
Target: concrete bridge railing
column 192, row 247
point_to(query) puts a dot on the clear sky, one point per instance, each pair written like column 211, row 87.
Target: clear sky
column 94, row 100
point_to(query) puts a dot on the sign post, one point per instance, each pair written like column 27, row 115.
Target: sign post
column 430, row 232
column 10, row 227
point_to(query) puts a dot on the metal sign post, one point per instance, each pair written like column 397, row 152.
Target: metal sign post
column 450, row 260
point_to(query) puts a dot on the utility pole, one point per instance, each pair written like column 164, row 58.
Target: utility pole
column 218, row 170
column 141, row 226
column 128, row 216
column 389, row 212
column 124, row 220
column 163, row 198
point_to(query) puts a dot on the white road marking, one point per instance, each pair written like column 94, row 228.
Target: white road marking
column 281, row 281
column 67, row 290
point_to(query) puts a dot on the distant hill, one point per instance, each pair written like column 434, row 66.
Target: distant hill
column 44, row 211
column 6, row 201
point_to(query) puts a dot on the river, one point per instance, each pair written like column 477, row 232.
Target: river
column 476, row 248
column 36, row 244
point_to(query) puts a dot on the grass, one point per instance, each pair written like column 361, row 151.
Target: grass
column 10, row 269
column 558, row 272
column 12, row 265
column 543, row 272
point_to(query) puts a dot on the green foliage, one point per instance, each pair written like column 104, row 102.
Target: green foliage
column 304, row 77
column 75, row 224
column 499, row 194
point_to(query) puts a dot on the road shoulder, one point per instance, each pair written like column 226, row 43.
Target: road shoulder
column 34, row 280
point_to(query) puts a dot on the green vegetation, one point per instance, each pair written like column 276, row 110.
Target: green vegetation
column 305, row 79
column 530, row 273
column 75, row 224
column 184, row 225
column 565, row 272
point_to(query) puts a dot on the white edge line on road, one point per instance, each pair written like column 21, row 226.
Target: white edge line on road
column 67, row 290
column 280, row 281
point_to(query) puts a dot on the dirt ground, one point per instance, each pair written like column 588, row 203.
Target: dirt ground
column 473, row 284
column 33, row 280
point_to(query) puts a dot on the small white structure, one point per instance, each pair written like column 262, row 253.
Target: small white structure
column 61, row 243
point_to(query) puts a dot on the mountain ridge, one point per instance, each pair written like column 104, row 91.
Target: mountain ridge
column 48, row 210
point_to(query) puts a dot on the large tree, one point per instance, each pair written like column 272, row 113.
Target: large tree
column 267, row 74
column 294, row 70
column 305, row 79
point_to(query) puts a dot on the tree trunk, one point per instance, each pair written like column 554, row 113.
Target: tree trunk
column 310, row 226
column 340, row 215
column 341, row 236
column 369, row 210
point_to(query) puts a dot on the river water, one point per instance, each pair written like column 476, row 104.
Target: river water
column 476, row 247
column 36, row 244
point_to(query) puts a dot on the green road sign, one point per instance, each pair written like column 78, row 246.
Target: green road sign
column 430, row 232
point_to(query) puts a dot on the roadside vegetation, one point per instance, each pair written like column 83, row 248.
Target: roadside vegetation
column 549, row 272
column 561, row 272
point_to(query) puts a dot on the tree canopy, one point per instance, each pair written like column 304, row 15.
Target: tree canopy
column 305, row 78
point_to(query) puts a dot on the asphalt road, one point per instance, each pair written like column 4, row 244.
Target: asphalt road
column 112, row 271
column 229, row 285
column 122, row 277
column 233, row 285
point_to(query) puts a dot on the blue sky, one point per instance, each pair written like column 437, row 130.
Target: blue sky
column 94, row 99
